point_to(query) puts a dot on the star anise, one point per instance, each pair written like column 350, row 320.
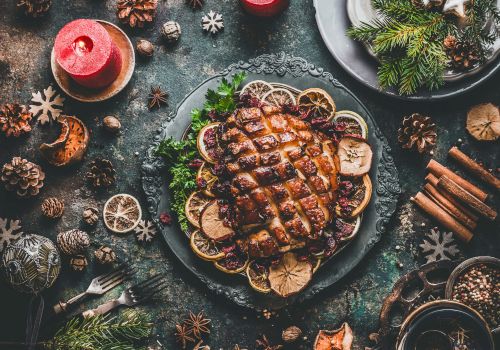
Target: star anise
column 263, row 344
column 195, row 4
column 157, row 97
column 198, row 324
column 183, row 334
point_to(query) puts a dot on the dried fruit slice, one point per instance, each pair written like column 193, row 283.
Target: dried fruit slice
column 354, row 123
column 318, row 101
column 290, row 275
column 355, row 156
column 483, row 122
column 339, row 339
column 207, row 178
column 207, row 142
column 258, row 277
column 346, row 229
column 357, row 201
column 256, row 88
column 316, row 263
column 194, row 206
column 232, row 265
column 279, row 97
column 204, row 247
column 212, row 224
column 70, row 145
column 122, row 213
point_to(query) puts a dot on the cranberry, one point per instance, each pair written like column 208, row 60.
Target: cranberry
column 165, row 218
column 195, row 163
column 209, row 138
column 201, row 183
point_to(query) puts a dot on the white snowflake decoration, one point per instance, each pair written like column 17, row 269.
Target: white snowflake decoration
column 46, row 106
column 10, row 230
column 439, row 246
column 212, row 22
column 145, row 231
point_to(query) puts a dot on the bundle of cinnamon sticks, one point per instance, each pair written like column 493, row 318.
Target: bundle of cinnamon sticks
column 454, row 202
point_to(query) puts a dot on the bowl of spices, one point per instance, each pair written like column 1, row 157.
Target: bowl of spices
column 476, row 283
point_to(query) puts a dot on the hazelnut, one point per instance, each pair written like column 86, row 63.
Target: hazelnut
column 291, row 334
column 145, row 48
column 111, row 123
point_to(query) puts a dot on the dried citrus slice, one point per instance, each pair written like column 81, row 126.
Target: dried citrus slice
column 318, row 101
column 279, row 97
column 207, row 142
column 212, row 225
column 122, row 213
column 204, row 247
column 316, row 263
column 290, row 275
column 256, row 88
column 206, row 177
column 358, row 200
column 346, row 229
column 355, row 124
column 258, row 277
column 194, row 205
column 232, row 265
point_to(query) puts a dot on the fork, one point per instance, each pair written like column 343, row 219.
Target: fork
column 98, row 286
column 131, row 296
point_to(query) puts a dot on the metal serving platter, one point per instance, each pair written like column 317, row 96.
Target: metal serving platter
column 296, row 72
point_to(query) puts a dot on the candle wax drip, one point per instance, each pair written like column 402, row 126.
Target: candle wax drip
column 82, row 45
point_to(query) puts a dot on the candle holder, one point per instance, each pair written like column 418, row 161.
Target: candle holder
column 83, row 94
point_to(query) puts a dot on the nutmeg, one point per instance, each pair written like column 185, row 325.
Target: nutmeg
column 291, row 334
column 90, row 215
column 145, row 48
column 171, row 31
column 112, row 123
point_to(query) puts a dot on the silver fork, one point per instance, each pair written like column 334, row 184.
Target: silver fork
column 98, row 286
column 131, row 296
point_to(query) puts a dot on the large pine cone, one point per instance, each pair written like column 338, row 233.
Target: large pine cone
column 73, row 242
column 35, row 8
column 14, row 119
column 136, row 12
column 101, row 173
column 417, row 130
column 24, row 177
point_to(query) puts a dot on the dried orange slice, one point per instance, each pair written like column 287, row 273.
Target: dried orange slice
column 355, row 124
column 194, row 205
column 206, row 176
column 279, row 97
column 122, row 213
column 358, row 200
column 316, row 262
column 204, row 247
column 347, row 228
column 70, row 145
column 258, row 277
column 239, row 266
column 256, row 88
column 207, row 151
column 318, row 101
column 334, row 340
column 212, row 224
column 290, row 275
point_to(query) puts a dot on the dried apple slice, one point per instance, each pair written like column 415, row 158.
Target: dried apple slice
column 213, row 225
column 483, row 122
column 339, row 339
column 355, row 156
column 290, row 275
column 70, row 145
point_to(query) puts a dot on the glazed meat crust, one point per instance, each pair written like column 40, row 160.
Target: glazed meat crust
column 283, row 179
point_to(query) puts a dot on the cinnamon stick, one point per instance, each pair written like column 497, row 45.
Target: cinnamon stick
column 474, row 167
column 442, row 216
column 434, row 182
column 465, row 197
column 439, row 170
column 440, row 200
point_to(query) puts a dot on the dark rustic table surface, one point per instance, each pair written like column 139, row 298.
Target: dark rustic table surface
column 25, row 47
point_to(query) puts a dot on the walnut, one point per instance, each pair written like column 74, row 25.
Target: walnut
column 291, row 334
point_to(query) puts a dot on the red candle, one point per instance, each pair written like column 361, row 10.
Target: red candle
column 264, row 8
column 84, row 49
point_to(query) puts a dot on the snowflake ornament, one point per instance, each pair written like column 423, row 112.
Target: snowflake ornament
column 439, row 246
column 145, row 231
column 46, row 107
column 10, row 230
column 212, row 22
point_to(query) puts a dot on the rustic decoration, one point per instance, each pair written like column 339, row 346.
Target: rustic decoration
column 263, row 344
column 145, row 48
column 157, row 98
column 52, row 208
column 112, row 124
column 145, row 231
column 35, row 8
column 417, row 131
column 198, row 324
column 291, row 334
column 23, row 177
column 73, row 242
column 10, row 230
column 439, row 246
column 47, row 107
column 14, row 120
column 195, row 4
column 90, row 215
column 212, row 22
column 101, row 173
column 339, row 339
column 105, row 255
column 483, row 122
column 78, row 263
column 171, row 31
column 136, row 13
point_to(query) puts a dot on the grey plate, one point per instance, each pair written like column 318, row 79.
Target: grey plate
column 333, row 22
column 296, row 72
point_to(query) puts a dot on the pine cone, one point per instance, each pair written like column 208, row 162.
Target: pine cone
column 35, row 8
column 73, row 242
column 52, row 208
column 462, row 55
column 136, row 12
column 90, row 216
column 101, row 173
column 105, row 255
column 14, row 119
column 78, row 263
column 417, row 130
column 24, row 177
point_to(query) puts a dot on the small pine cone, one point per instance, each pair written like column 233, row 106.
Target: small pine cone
column 78, row 263
column 23, row 177
column 35, row 8
column 450, row 42
column 101, row 173
column 417, row 130
column 463, row 56
column 90, row 216
column 52, row 208
column 105, row 255
column 136, row 12
column 14, row 119
column 73, row 242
